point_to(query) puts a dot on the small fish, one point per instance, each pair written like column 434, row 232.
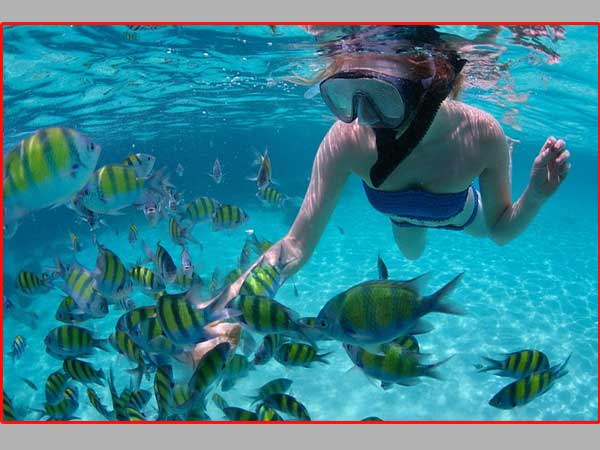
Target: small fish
column 228, row 217
column 183, row 281
column 299, row 354
column 130, row 36
column 70, row 341
column 17, row 348
column 393, row 367
column 142, row 163
column 267, row 414
column 269, row 345
column 265, row 315
column 239, row 414
column 131, row 319
column 79, row 284
column 263, row 177
column 276, row 386
column 403, row 343
column 210, row 369
column 371, row 419
column 163, row 263
column 31, row 285
column 64, row 409
column 123, row 344
column 179, row 170
column 219, row 401
column 187, row 267
column 97, row 404
column 271, row 197
column 83, row 372
column 265, row 278
column 288, row 405
column 75, row 242
column 56, row 384
column 29, row 383
column 180, row 234
column 8, row 412
column 146, row 279
column 376, row 312
column 163, row 390
column 340, row 229
column 149, row 336
column 182, row 321
column 517, row 364
column 217, row 173
column 381, row 268
column 152, row 211
column 46, row 169
column 521, row 392
column 111, row 277
column 182, row 399
column 200, row 209
column 132, row 234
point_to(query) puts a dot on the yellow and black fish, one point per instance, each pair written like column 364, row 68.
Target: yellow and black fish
column 111, row 277
column 267, row 348
column 55, row 386
column 517, row 364
column 299, row 354
column 210, row 369
column 267, row 414
column 123, row 343
column 98, row 406
column 228, row 217
column 163, row 390
column 31, row 285
column 83, row 371
column 521, row 392
column 201, row 208
column 276, row 386
column 271, row 197
column 18, row 347
column 70, row 341
column 288, row 405
column 146, row 279
column 239, row 414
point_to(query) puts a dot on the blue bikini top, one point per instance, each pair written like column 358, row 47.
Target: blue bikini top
column 417, row 204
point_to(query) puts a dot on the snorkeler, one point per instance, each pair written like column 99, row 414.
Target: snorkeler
column 418, row 152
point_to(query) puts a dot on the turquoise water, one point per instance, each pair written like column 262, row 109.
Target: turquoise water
column 191, row 94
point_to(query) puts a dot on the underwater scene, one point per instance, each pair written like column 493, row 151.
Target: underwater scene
column 152, row 175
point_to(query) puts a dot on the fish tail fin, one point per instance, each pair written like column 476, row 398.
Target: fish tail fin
column 322, row 356
column 430, row 369
column 493, row 365
column 560, row 371
column 433, row 303
column 102, row 344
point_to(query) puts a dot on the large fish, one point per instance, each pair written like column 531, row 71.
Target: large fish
column 46, row 169
column 376, row 312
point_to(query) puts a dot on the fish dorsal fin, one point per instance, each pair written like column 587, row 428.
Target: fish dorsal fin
column 419, row 283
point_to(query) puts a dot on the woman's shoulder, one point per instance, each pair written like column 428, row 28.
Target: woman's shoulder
column 482, row 123
column 352, row 142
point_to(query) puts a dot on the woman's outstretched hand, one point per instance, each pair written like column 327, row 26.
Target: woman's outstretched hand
column 550, row 168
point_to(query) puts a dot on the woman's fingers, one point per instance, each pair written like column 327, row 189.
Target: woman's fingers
column 547, row 152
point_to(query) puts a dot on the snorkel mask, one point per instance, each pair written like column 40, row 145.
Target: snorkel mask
column 387, row 104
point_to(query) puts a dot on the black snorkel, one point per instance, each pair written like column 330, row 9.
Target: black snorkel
column 391, row 151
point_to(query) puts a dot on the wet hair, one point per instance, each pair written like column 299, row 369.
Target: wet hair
column 419, row 65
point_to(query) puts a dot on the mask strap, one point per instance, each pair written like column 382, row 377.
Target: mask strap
column 391, row 151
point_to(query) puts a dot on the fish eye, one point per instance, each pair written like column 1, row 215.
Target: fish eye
column 322, row 323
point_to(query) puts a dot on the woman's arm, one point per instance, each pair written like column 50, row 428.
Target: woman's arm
column 506, row 220
column 331, row 168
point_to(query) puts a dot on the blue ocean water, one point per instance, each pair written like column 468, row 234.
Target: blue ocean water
column 189, row 95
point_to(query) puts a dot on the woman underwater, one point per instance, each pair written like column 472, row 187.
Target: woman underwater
column 418, row 152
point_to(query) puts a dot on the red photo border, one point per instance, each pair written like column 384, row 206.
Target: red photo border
column 3, row 24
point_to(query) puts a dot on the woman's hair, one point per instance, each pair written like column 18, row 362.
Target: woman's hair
column 418, row 64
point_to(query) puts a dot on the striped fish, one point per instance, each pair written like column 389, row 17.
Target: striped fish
column 299, row 354
column 31, row 285
column 70, row 341
column 376, row 312
column 182, row 399
column 132, row 238
column 142, row 163
column 163, row 390
column 79, row 284
column 265, row 278
column 259, row 245
column 98, row 406
column 521, row 392
column 18, row 347
column 111, row 277
column 271, row 197
column 311, row 329
column 134, row 415
column 183, row 281
column 130, row 319
column 394, row 367
column 210, row 369
column 180, row 234
column 276, row 386
column 139, row 399
column 64, row 409
column 237, row 367
column 46, row 169
column 200, row 209
column 146, row 279
column 83, row 372
column 56, row 384
column 163, row 263
column 265, row 315
column 228, row 217
column 114, row 187
column 119, row 402
column 267, row 414
column 263, row 178
column 517, row 364
column 123, row 344
column 269, row 345
column 8, row 412
column 288, row 405
column 149, row 336
column 182, row 321
column 239, row 414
